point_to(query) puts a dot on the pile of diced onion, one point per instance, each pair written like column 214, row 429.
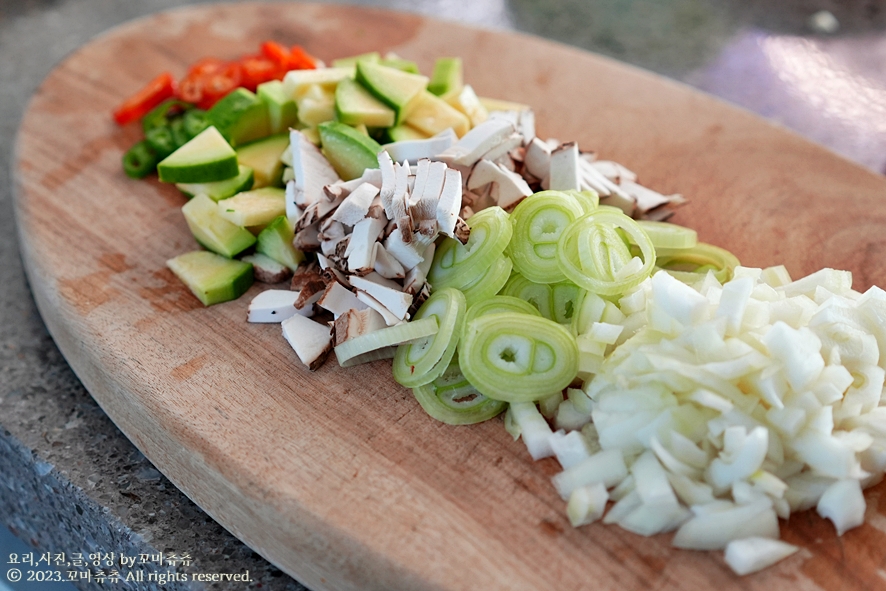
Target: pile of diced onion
column 712, row 410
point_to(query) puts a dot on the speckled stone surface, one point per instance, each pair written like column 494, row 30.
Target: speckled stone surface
column 71, row 482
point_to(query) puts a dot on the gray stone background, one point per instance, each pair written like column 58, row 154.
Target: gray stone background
column 70, row 481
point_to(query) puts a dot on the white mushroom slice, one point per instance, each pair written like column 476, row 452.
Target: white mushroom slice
column 404, row 252
column 386, row 265
column 471, row 147
column 508, row 189
column 624, row 203
column 370, row 175
column 274, row 306
column 356, row 205
column 390, row 318
column 515, row 140
column 537, row 159
column 361, row 251
column 357, row 322
column 449, row 202
column 400, row 197
column 390, row 297
column 614, row 171
column 428, row 189
column 646, row 198
column 379, row 280
column 330, row 247
column 267, row 270
column 388, row 181
column 311, row 340
column 308, row 239
column 527, row 125
column 331, row 229
column 522, row 120
column 339, row 299
column 593, row 179
column 309, row 295
column 414, row 150
column 565, row 174
column 293, row 198
column 417, row 276
column 312, row 169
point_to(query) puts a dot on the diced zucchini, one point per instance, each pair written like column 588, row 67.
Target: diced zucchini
column 275, row 241
column 403, row 132
column 253, row 208
column 282, row 110
column 206, row 158
column 397, row 89
column 348, row 151
column 212, row 277
column 263, row 157
column 212, row 231
column 446, row 80
column 241, row 117
column 432, row 115
column 355, row 105
column 316, row 105
column 220, row 189
column 350, row 62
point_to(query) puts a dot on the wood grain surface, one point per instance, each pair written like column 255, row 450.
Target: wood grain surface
column 338, row 477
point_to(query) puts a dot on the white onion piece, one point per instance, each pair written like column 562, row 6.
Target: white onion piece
column 750, row 555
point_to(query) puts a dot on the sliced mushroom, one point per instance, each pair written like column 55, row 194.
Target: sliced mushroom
column 414, row 150
column 267, row 270
column 361, row 250
column 338, row 299
column 356, row 206
column 449, row 202
column 310, row 340
column 312, row 170
column 275, row 306
column 386, row 265
column 508, row 188
column 471, row 147
column 389, row 317
column 357, row 322
column 387, row 292
column 565, row 174
column 537, row 159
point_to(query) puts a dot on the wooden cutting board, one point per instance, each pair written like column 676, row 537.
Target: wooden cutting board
column 338, row 477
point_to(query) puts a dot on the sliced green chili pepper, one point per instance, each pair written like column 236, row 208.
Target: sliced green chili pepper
column 140, row 160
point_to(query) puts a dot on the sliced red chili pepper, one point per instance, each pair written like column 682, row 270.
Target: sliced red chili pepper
column 300, row 60
column 207, row 65
column 142, row 102
column 220, row 83
column 258, row 69
column 190, row 90
column 276, row 52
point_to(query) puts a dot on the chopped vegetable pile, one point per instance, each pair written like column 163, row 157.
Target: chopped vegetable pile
column 503, row 273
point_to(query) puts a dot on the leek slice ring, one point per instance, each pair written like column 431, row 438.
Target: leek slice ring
column 457, row 265
column 423, row 360
column 593, row 254
column 539, row 221
column 517, row 357
column 451, row 399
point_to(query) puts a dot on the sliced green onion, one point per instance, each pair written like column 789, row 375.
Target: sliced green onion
column 690, row 264
column 593, row 254
column 452, row 399
column 539, row 220
column 423, row 360
column 490, row 282
column 517, row 357
column 140, row 160
column 457, row 265
column 500, row 303
column 666, row 235
column 352, row 351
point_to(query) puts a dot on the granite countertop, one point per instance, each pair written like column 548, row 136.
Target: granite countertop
column 71, row 482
